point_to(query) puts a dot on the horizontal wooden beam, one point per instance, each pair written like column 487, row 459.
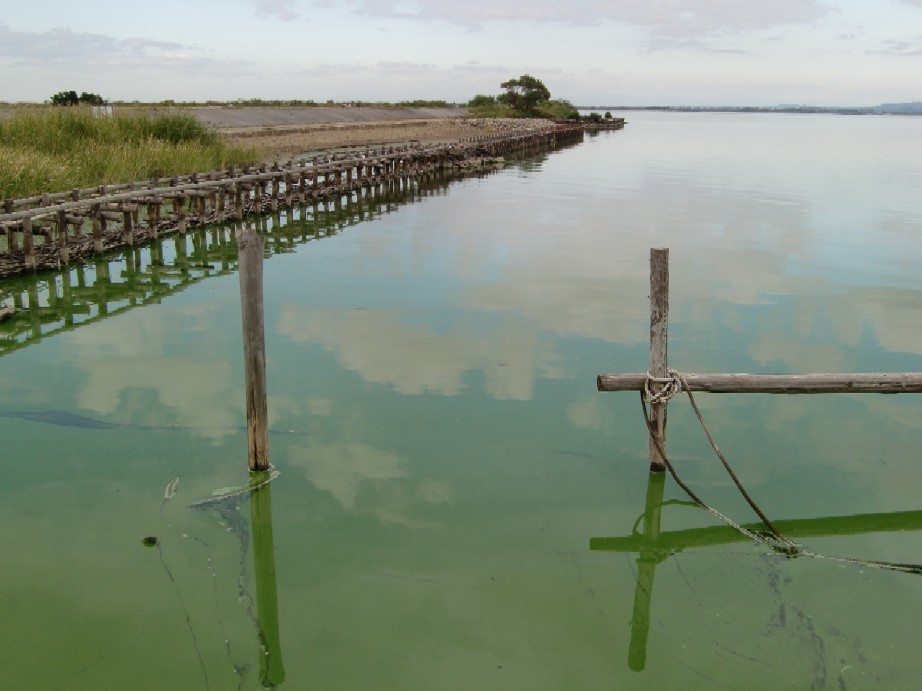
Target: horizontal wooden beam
column 874, row 382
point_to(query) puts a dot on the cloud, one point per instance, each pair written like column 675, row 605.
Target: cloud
column 663, row 17
column 64, row 45
column 375, row 343
column 912, row 47
column 280, row 9
column 367, row 480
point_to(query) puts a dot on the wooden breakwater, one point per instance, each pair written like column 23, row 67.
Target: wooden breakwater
column 51, row 230
column 35, row 307
column 604, row 124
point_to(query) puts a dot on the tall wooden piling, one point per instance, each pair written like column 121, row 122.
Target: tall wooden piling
column 250, row 259
column 659, row 330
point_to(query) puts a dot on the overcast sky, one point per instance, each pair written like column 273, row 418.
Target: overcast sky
column 603, row 52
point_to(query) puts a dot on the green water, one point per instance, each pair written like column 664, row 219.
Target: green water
column 446, row 462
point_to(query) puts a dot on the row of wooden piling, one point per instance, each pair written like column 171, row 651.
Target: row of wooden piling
column 108, row 284
column 52, row 230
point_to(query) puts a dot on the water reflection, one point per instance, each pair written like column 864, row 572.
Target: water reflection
column 271, row 668
column 54, row 302
column 259, row 534
column 653, row 547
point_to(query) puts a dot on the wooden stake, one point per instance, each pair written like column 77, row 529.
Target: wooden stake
column 64, row 252
column 659, row 333
column 250, row 257
column 28, row 243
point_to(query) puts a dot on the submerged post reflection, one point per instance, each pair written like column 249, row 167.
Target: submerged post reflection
column 271, row 669
column 654, row 546
column 650, row 556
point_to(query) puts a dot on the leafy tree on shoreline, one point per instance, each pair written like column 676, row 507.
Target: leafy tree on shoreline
column 70, row 98
column 65, row 98
column 524, row 94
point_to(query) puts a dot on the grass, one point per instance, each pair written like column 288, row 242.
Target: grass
column 58, row 149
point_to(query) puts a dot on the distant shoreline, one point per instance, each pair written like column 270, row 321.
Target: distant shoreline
column 886, row 109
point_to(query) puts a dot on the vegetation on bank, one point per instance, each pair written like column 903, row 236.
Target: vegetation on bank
column 525, row 97
column 57, row 149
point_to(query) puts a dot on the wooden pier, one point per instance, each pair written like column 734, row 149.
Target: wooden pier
column 52, row 230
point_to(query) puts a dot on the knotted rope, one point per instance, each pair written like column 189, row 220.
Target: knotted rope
column 671, row 386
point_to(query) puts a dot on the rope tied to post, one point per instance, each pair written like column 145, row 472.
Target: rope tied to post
column 671, row 386
column 675, row 383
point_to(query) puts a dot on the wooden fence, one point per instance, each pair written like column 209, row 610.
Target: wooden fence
column 52, row 230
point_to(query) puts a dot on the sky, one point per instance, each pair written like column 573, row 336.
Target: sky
column 589, row 52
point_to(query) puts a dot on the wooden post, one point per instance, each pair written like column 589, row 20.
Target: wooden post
column 238, row 201
column 127, row 227
column 250, row 257
column 62, row 237
column 28, row 243
column 12, row 242
column 179, row 210
column 659, row 334
column 99, row 228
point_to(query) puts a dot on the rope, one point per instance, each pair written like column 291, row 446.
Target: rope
column 675, row 383
column 671, row 386
column 787, row 547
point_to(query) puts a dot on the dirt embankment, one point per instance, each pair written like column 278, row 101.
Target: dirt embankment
column 283, row 132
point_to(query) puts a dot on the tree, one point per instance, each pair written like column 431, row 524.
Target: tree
column 558, row 109
column 524, row 94
column 70, row 98
column 482, row 101
column 65, row 98
column 92, row 99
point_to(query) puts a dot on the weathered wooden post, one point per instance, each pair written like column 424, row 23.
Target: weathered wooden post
column 179, row 210
column 659, row 334
column 127, row 227
column 28, row 243
column 64, row 252
column 12, row 243
column 250, row 258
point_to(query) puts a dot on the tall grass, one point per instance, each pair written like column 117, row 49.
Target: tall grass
column 57, row 149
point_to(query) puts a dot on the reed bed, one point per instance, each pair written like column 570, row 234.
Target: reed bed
column 57, row 149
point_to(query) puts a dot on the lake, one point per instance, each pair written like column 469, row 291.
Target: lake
column 457, row 507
